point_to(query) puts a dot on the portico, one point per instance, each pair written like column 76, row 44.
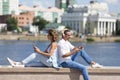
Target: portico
column 89, row 19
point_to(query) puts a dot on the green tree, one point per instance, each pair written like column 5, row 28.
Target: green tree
column 68, row 27
column 11, row 24
column 40, row 22
column 117, row 27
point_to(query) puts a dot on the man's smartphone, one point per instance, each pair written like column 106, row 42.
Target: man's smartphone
column 80, row 47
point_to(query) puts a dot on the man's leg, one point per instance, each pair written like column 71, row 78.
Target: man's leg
column 84, row 55
column 75, row 65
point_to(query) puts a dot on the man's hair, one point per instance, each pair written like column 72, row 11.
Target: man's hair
column 65, row 32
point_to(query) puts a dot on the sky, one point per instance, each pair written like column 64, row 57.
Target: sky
column 114, row 6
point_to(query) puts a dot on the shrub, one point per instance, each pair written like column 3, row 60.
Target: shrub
column 90, row 40
column 117, row 40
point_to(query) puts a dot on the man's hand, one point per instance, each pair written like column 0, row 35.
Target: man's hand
column 81, row 47
column 76, row 49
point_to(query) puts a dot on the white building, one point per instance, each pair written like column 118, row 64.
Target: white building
column 1, row 7
column 3, row 27
column 9, row 7
column 90, row 19
column 50, row 14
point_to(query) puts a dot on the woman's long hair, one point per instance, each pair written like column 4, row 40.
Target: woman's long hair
column 53, row 33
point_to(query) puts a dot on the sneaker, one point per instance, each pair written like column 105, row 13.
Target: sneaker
column 96, row 65
column 14, row 63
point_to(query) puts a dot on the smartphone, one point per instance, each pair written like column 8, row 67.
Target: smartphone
column 34, row 45
column 80, row 47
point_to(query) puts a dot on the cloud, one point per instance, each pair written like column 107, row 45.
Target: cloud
column 48, row 3
column 114, row 6
column 38, row 3
column 112, row 1
column 43, row 3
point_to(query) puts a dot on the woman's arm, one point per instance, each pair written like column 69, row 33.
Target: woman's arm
column 46, row 50
column 48, row 54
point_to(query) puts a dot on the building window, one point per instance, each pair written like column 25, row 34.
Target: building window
column 12, row 12
column 40, row 13
column 5, row 0
column 27, row 18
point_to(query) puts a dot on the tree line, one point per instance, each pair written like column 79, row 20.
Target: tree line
column 12, row 23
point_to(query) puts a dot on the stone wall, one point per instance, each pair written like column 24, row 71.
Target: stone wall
column 31, row 73
column 44, row 38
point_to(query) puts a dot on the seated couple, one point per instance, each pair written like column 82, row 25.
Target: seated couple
column 61, row 54
column 62, row 51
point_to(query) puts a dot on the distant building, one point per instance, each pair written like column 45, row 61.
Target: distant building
column 56, row 26
column 8, row 7
column 24, row 19
column 51, row 14
column 3, row 27
column 93, row 19
column 63, row 4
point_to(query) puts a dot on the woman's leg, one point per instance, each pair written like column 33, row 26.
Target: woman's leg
column 42, row 60
column 84, row 55
column 34, row 64
column 30, row 58
column 75, row 65
column 45, row 60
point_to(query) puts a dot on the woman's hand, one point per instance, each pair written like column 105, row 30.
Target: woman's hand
column 36, row 49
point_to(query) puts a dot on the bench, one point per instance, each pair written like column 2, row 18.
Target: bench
column 37, row 73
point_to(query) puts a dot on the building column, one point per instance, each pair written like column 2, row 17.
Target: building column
column 81, row 25
column 78, row 26
column 108, row 28
column 104, row 29
column 98, row 28
column 70, row 23
column 101, row 28
column 102, row 25
column 111, row 28
column 114, row 27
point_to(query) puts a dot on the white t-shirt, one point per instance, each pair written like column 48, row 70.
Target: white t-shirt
column 63, row 48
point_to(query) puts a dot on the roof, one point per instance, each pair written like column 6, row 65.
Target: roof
column 38, row 8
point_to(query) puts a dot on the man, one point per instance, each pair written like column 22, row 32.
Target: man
column 67, row 54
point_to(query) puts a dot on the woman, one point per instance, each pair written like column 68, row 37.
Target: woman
column 46, row 58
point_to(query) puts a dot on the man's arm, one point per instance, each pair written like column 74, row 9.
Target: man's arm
column 75, row 50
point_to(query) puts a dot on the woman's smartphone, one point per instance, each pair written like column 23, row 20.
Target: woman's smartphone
column 34, row 45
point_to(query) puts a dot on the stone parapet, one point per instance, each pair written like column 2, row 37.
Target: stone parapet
column 35, row 73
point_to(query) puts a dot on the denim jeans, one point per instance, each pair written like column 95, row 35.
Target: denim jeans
column 75, row 65
column 42, row 62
